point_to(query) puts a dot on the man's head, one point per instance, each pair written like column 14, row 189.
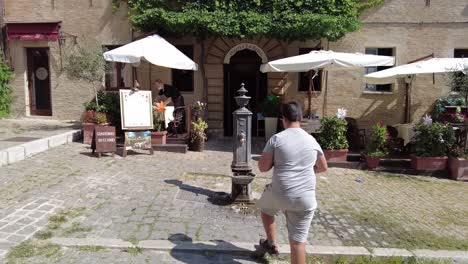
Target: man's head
column 158, row 84
column 291, row 114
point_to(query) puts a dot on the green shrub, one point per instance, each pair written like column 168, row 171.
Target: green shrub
column 333, row 133
column 433, row 140
column 270, row 106
column 378, row 139
column 6, row 92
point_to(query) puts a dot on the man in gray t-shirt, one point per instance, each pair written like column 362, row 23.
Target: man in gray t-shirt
column 295, row 157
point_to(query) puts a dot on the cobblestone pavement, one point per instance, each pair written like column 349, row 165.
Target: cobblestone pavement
column 17, row 131
column 176, row 196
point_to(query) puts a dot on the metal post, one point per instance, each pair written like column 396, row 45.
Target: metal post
column 242, row 170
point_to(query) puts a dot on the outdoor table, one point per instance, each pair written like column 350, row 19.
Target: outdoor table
column 405, row 131
column 311, row 125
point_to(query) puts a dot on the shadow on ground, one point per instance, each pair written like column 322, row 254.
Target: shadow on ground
column 220, row 252
column 216, row 198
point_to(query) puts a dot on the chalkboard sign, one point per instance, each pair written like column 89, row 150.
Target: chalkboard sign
column 136, row 110
column 138, row 140
column 104, row 140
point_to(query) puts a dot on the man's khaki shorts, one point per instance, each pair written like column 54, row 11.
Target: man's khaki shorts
column 297, row 221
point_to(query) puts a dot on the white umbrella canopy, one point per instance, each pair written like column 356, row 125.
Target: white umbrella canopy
column 326, row 59
column 154, row 49
column 435, row 65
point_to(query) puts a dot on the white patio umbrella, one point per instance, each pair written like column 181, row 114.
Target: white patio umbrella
column 326, row 59
column 409, row 71
column 435, row 65
column 153, row 49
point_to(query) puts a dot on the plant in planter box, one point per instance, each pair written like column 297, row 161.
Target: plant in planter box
column 198, row 135
column 90, row 119
column 159, row 134
column 458, row 163
column 270, row 110
column 333, row 137
column 432, row 143
column 376, row 148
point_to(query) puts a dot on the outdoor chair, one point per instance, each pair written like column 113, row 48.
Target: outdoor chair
column 394, row 144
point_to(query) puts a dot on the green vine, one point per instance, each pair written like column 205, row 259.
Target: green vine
column 282, row 19
column 6, row 92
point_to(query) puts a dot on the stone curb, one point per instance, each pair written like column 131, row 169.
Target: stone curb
column 26, row 150
column 241, row 248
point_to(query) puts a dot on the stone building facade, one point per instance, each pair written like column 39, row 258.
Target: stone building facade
column 407, row 30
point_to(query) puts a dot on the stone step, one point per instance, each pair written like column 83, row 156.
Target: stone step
column 347, row 165
column 177, row 148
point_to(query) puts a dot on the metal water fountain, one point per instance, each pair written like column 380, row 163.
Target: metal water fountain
column 241, row 166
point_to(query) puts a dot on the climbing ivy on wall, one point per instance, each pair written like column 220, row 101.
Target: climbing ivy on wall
column 6, row 92
column 283, row 19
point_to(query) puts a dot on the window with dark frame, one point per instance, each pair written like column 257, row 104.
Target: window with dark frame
column 459, row 53
column 113, row 79
column 183, row 79
column 304, row 77
column 378, row 87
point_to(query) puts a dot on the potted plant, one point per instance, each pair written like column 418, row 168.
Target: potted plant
column 198, row 135
column 458, row 164
column 159, row 133
column 332, row 137
column 93, row 115
column 270, row 111
column 432, row 143
column 376, row 148
column 198, row 110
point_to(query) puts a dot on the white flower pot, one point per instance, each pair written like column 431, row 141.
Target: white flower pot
column 270, row 126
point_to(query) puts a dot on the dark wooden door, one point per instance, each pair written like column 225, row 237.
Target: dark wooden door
column 39, row 81
column 244, row 68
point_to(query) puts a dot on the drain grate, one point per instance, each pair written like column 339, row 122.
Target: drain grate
column 20, row 139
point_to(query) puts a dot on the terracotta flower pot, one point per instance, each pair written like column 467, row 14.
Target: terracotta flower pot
column 371, row 162
column 458, row 168
column 88, row 131
column 197, row 145
column 158, row 137
column 429, row 163
column 336, row 155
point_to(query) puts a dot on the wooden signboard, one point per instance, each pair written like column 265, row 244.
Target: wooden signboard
column 136, row 110
column 104, row 140
column 137, row 140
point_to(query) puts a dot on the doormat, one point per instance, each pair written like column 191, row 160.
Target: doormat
column 20, row 139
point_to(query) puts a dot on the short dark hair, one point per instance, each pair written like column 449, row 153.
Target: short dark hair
column 292, row 111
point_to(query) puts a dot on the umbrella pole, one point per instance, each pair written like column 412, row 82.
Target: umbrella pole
column 408, row 102
column 309, row 94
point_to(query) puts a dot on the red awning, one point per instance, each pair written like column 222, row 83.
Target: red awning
column 33, row 31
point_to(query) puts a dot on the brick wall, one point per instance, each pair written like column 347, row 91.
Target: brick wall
column 94, row 24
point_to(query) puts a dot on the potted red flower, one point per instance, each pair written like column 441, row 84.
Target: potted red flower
column 159, row 133
column 376, row 148
column 90, row 119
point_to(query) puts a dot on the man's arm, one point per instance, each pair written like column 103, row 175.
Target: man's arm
column 321, row 164
column 266, row 162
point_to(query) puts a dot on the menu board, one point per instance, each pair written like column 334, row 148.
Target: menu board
column 104, row 140
column 136, row 110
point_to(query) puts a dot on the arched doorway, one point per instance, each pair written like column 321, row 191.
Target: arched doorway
column 244, row 67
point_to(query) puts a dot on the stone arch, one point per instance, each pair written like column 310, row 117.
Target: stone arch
column 243, row 46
